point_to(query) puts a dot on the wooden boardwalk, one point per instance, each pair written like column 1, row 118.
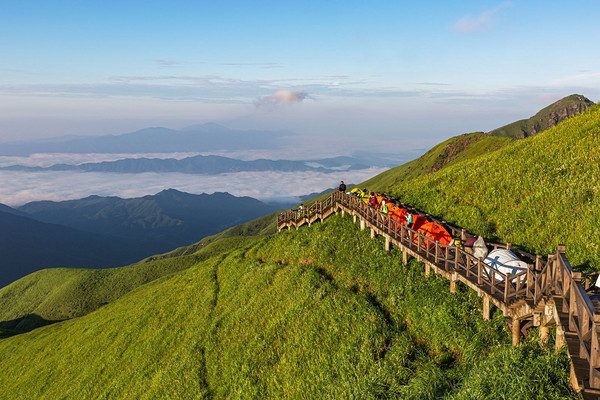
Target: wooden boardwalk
column 549, row 293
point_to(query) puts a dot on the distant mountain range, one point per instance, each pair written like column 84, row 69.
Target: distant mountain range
column 100, row 232
column 27, row 245
column 195, row 138
column 210, row 165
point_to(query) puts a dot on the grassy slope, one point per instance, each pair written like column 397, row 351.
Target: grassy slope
column 447, row 153
column 244, row 326
column 537, row 192
column 323, row 312
column 62, row 293
column 544, row 118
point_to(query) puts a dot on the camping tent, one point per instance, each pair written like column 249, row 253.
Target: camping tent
column 505, row 261
column 436, row 232
column 418, row 221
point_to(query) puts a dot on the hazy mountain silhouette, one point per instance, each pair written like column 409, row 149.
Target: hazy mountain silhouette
column 196, row 138
column 170, row 218
column 209, row 165
column 97, row 232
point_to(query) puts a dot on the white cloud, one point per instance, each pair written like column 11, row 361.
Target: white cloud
column 281, row 97
column 21, row 187
column 481, row 22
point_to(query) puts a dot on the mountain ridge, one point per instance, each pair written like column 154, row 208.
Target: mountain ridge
column 200, row 164
column 117, row 231
column 545, row 118
column 202, row 138
column 471, row 145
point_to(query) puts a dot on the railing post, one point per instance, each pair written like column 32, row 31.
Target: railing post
column 456, row 259
column 480, row 271
column 507, row 287
column 595, row 353
column 529, row 283
column 573, row 310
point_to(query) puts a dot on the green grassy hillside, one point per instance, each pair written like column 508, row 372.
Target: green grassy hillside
column 452, row 151
column 473, row 145
column 537, row 193
column 323, row 312
column 58, row 294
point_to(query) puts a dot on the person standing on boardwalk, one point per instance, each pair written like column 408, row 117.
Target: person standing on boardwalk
column 342, row 187
column 384, row 208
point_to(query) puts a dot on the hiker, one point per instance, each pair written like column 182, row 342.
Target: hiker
column 342, row 187
column 384, row 208
column 409, row 219
column 373, row 200
column 300, row 208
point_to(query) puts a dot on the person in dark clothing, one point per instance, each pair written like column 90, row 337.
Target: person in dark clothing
column 342, row 187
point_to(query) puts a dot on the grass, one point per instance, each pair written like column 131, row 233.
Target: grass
column 57, row 294
column 450, row 152
column 538, row 192
column 322, row 312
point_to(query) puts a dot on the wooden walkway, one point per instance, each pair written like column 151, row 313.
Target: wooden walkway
column 549, row 293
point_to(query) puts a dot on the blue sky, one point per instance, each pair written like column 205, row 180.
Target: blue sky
column 386, row 75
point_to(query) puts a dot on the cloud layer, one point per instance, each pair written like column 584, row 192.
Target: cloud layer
column 21, row 187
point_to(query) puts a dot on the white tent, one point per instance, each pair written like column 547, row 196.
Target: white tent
column 505, row 261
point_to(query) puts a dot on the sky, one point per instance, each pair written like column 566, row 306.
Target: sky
column 387, row 75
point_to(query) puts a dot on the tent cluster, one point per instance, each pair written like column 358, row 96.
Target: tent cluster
column 501, row 260
column 389, row 206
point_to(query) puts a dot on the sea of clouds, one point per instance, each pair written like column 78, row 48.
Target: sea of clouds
column 19, row 187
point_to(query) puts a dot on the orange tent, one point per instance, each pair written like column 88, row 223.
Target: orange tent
column 392, row 208
column 418, row 221
column 435, row 232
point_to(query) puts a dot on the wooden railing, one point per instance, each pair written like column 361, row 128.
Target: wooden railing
column 542, row 282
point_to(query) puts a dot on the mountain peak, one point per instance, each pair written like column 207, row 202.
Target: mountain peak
column 546, row 118
column 208, row 126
